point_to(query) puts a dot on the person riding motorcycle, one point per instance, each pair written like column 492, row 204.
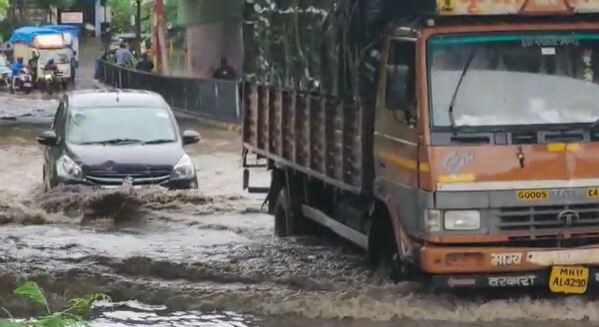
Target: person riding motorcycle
column 51, row 66
column 15, row 69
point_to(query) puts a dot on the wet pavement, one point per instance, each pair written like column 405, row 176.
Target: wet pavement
column 208, row 257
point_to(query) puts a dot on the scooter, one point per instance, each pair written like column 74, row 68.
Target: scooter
column 22, row 82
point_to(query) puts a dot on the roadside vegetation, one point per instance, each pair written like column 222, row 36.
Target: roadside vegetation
column 76, row 314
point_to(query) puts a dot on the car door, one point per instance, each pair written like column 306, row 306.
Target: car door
column 52, row 153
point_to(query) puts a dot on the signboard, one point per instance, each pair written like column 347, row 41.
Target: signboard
column 515, row 7
column 74, row 17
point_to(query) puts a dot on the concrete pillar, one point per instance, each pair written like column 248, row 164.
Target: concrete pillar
column 214, row 30
column 97, row 12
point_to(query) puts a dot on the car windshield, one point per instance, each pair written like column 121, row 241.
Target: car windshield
column 514, row 79
column 98, row 125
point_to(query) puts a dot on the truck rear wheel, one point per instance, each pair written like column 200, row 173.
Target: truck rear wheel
column 289, row 220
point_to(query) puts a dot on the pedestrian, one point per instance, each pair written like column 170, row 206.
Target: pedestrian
column 74, row 65
column 224, row 71
column 124, row 57
column 145, row 63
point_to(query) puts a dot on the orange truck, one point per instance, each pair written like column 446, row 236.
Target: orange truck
column 476, row 164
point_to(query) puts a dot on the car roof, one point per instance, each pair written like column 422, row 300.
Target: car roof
column 98, row 98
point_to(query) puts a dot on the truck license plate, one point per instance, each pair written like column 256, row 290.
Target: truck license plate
column 569, row 280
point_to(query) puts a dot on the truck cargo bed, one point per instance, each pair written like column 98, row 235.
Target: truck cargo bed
column 320, row 136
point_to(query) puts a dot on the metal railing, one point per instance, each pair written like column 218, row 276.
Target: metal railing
column 214, row 99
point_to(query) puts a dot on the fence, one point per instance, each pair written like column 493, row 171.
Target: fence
column 215, row 99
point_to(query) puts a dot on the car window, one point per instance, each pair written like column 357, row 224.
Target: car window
column 91, row 125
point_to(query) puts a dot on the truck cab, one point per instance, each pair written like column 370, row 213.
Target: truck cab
column 471, row 157
column 486, row 143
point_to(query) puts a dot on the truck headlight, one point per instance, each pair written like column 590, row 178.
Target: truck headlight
column 432, row 220
column 462, row 220
column 184, row 168
column 67, row 168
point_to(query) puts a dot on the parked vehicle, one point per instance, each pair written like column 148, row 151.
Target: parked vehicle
column 471, row 160
column 23, row 82
column 113, row 138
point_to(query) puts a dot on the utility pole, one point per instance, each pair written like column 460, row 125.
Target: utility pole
column 138, row 26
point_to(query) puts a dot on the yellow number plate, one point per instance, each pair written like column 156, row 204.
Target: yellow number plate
column 569, row 280
column 532, row 195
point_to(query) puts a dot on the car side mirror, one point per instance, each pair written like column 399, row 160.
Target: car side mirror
column 398, row 90
column 48, row 138
column 190, row 137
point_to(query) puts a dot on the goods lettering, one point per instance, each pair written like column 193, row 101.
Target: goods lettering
column 532, row 195
column 593, row 193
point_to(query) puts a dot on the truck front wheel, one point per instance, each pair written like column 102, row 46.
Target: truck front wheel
column 289, row 220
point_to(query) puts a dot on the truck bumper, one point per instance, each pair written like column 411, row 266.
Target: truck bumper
column 531, row 279
column 476, row 267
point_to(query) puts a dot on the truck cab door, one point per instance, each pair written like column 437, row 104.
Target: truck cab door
column 396, row 132
column 396, row 136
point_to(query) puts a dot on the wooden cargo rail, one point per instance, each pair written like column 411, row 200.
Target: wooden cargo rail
column 320, row 136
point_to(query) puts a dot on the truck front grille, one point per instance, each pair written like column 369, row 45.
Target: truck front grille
column 544, row 218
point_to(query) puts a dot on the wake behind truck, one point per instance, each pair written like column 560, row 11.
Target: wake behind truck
column 453, row 139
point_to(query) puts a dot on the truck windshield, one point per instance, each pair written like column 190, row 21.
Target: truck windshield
column 60, row 57
column 514, row 79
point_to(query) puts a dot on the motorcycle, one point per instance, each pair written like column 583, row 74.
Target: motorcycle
column 22, row 82
column 50, row 81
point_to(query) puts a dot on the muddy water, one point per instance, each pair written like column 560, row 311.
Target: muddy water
column 208, row 257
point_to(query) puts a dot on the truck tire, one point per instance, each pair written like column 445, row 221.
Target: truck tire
column 289, row 220
column 382, row 249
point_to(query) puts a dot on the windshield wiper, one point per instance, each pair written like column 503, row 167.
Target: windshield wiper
column 457, row 88
column 115, row 141
column 159, row 141
column 594, row 124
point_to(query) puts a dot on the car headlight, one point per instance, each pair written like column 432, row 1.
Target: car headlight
column 67, row 168
column 184, row 168
column 462, row 220
column 432, row 220
column 48, row 76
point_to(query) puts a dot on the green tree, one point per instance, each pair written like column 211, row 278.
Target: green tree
column 121, row 14
column 3, row 8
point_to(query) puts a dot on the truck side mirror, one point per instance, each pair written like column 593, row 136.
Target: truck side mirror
column 399, row 89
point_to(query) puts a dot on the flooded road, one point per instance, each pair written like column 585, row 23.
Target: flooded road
column 208, row 257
